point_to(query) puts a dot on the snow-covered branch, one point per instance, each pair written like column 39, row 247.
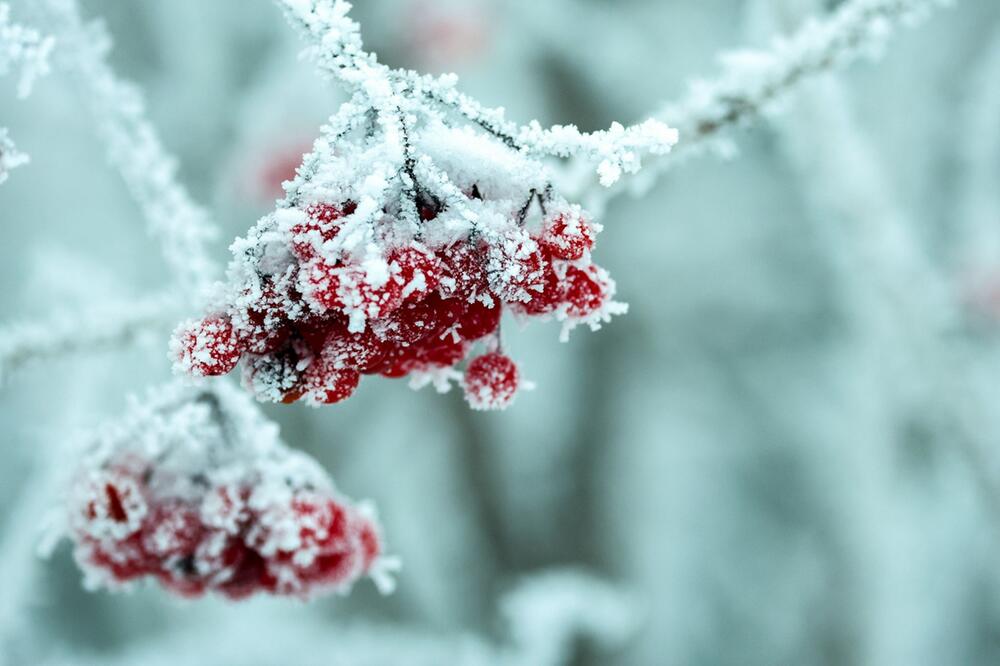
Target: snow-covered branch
column 182, row 228
column 28, row 49
column 23, row 47
column 753, row 81
column 106, row 326
column 337, row 49
column 10, row 156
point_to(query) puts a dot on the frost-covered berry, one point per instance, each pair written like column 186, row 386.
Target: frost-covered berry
column 491, row 381
column 207, row 347
column 356, row 351
column 416, row 270
column 275, row 377
column 112, row 505
column 567, row 236
column 464, row 274
column 515, row 267
column 478, row 320
column 585, row 291
column 323, row 383
column 321, row 226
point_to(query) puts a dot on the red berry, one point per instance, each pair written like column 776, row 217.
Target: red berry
column 275, row 377
column 320, row 227
column 320, row 284
column 315, row 330
column 113, row 505
column 420, row 320
column 124, row 560
column 567, row 236
column 172, row 530
column 585, row 292
column 464, row 271
column 516, row 268
column 546, row 299
column 358, row 351
column 491, row 381
column 416, row 270
column 206, row 348
column 358, row 295
column 441, row 353
column 478, row 320
column 324, row 383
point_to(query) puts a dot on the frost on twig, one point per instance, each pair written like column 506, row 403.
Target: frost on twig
column 753, row 81
column 10, row 157
column 105, row 326
column 337, row 49
column 194, row 488
column 182, row 228
column 25, row 48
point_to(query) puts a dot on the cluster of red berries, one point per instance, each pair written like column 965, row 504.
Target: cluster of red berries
column 232, row 538
column 310, row 318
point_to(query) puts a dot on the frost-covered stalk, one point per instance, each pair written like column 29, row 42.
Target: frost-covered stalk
column 10, row 156
column 900, row 304
column 182, row 228
column 27, row 49
column 104, row 326
column 754, row 81
column 338, row 51
column 24, row 48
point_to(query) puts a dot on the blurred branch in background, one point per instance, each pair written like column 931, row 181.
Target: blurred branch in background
column 27, row 49
column 182, row 229
column 105, row 326
column 754, row 81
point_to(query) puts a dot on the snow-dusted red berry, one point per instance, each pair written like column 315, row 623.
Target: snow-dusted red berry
column 585, row 291
column 491, row 381
column 207, row 347
column 320, row 227
column 515, row 267
column 415, row 269
column 112, row 505
column 478, row 320
column 548, row 297
column 172, row 530
column 275, row 377
column 357, row 351
column 567, row 236
column 324, row 383
column 464, row 274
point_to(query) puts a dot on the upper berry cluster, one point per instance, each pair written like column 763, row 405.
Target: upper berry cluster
column 398, row 276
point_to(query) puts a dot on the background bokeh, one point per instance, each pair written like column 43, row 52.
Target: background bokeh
column 771, row 452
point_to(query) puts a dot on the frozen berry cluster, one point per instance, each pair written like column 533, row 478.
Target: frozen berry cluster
column 201, row 513
column 310, row 308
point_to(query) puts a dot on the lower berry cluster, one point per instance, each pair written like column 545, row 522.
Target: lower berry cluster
column 261, row 520
column 310, row 318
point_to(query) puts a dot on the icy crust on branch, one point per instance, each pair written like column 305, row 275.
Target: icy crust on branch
column 27, row 49
column 754, row 80
column 10, row 156
column 183, row 229
column 194, row 488
column 336, row 47
column 397, row 248
column 24, row 48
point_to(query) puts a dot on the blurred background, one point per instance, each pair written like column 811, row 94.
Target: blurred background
column 788, row 452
